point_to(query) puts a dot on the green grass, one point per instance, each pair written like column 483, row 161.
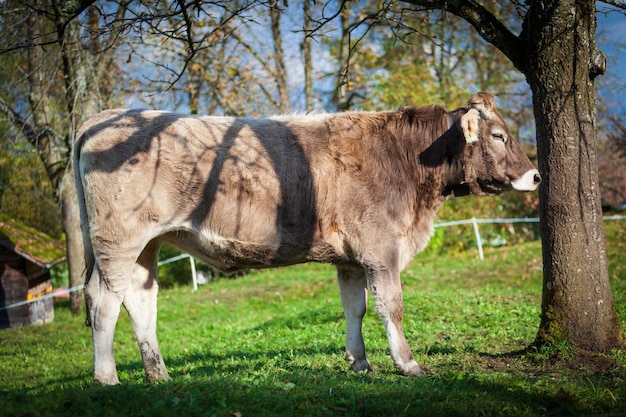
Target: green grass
column 271, row 344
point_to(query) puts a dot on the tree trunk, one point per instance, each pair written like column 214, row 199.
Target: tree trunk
column 82, row 99
column 53, row 151
column 577, row 304
column 279, row 58
column 343, row 81
column 73, row 238
column 308, row 62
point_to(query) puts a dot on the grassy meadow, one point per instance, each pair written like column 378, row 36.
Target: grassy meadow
column 271, row 344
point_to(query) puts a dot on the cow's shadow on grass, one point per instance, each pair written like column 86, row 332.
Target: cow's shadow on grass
column 213, row 388
column 313, row 380
column 226, row 385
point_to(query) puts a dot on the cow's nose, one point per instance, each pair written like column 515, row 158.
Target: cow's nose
column 537, row 178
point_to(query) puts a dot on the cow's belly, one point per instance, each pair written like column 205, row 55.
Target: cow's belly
column 228, row 254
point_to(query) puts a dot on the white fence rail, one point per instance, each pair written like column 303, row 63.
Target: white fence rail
column 192, row 263
column 475, row 222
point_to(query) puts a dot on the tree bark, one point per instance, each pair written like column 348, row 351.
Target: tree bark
column 343, row 81
column 279, row 58
column 577, row 304
column 73, row 238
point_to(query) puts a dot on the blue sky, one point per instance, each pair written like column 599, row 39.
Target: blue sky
column 611, row 38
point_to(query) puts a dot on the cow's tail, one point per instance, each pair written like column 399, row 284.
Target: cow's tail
column 90, row 259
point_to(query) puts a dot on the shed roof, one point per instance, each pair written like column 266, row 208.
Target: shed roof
column 35, row 246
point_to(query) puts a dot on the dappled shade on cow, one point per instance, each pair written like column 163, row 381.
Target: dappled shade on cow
column 359, row 190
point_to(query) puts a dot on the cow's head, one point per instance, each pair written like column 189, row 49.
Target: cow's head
column 492, row 160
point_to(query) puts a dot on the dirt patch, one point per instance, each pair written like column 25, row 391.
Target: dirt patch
column 532, row 362
column 591, row 362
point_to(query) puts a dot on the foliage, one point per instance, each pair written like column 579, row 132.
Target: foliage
column 59, row 275
column 461, row 238
column 213, row 58
column 417, row 58
column 26, row 194
column 271, row 344
column 174, row 273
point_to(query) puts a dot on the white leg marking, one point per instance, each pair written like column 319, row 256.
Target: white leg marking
column 387, row 292
column 103, row 310
column 353, row 288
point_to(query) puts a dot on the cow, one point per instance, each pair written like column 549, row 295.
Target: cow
column 358, row 190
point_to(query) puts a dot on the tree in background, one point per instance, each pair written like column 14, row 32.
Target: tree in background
column 213, row 58
column 58, row 70
column 557, row 52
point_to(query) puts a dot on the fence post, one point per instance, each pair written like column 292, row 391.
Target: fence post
column 194, row 277
column 479, row 242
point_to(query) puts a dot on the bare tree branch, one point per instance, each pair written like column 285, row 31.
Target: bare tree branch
column 182, row 31
column 617, row 3
column 488, row 26
column 16, row 119
column 324, row 20
column 75, row 7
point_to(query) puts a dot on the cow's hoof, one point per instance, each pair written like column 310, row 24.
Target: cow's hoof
column 416, row 371
column 158, row 377
column 362, row 365
column 412, row 368
column 104, row 381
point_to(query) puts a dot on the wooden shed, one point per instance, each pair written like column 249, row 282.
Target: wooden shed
column 26, row 256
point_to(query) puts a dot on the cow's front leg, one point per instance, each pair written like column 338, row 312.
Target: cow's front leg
column 353, row 288
column 141, row 303
column 387, row 293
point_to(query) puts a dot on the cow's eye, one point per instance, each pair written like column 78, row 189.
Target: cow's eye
column 499, row 136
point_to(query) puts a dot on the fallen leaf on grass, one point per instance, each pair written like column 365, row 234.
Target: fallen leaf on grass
column 338, row 409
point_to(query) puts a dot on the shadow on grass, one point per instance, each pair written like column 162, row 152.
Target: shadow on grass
column 213, row 384
column 301, row 320
column 314, row 381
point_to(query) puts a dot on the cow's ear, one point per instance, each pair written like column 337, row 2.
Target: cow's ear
column 483, row 102
column 470, row 125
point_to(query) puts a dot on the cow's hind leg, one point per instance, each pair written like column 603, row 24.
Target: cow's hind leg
column 141, row 303
column 387, row 293
column 103, row 308
column 353, row 288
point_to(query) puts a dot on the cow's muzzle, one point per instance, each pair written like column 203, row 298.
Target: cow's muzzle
column 527, row 182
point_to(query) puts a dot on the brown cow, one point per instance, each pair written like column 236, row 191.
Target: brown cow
column 359, row 190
